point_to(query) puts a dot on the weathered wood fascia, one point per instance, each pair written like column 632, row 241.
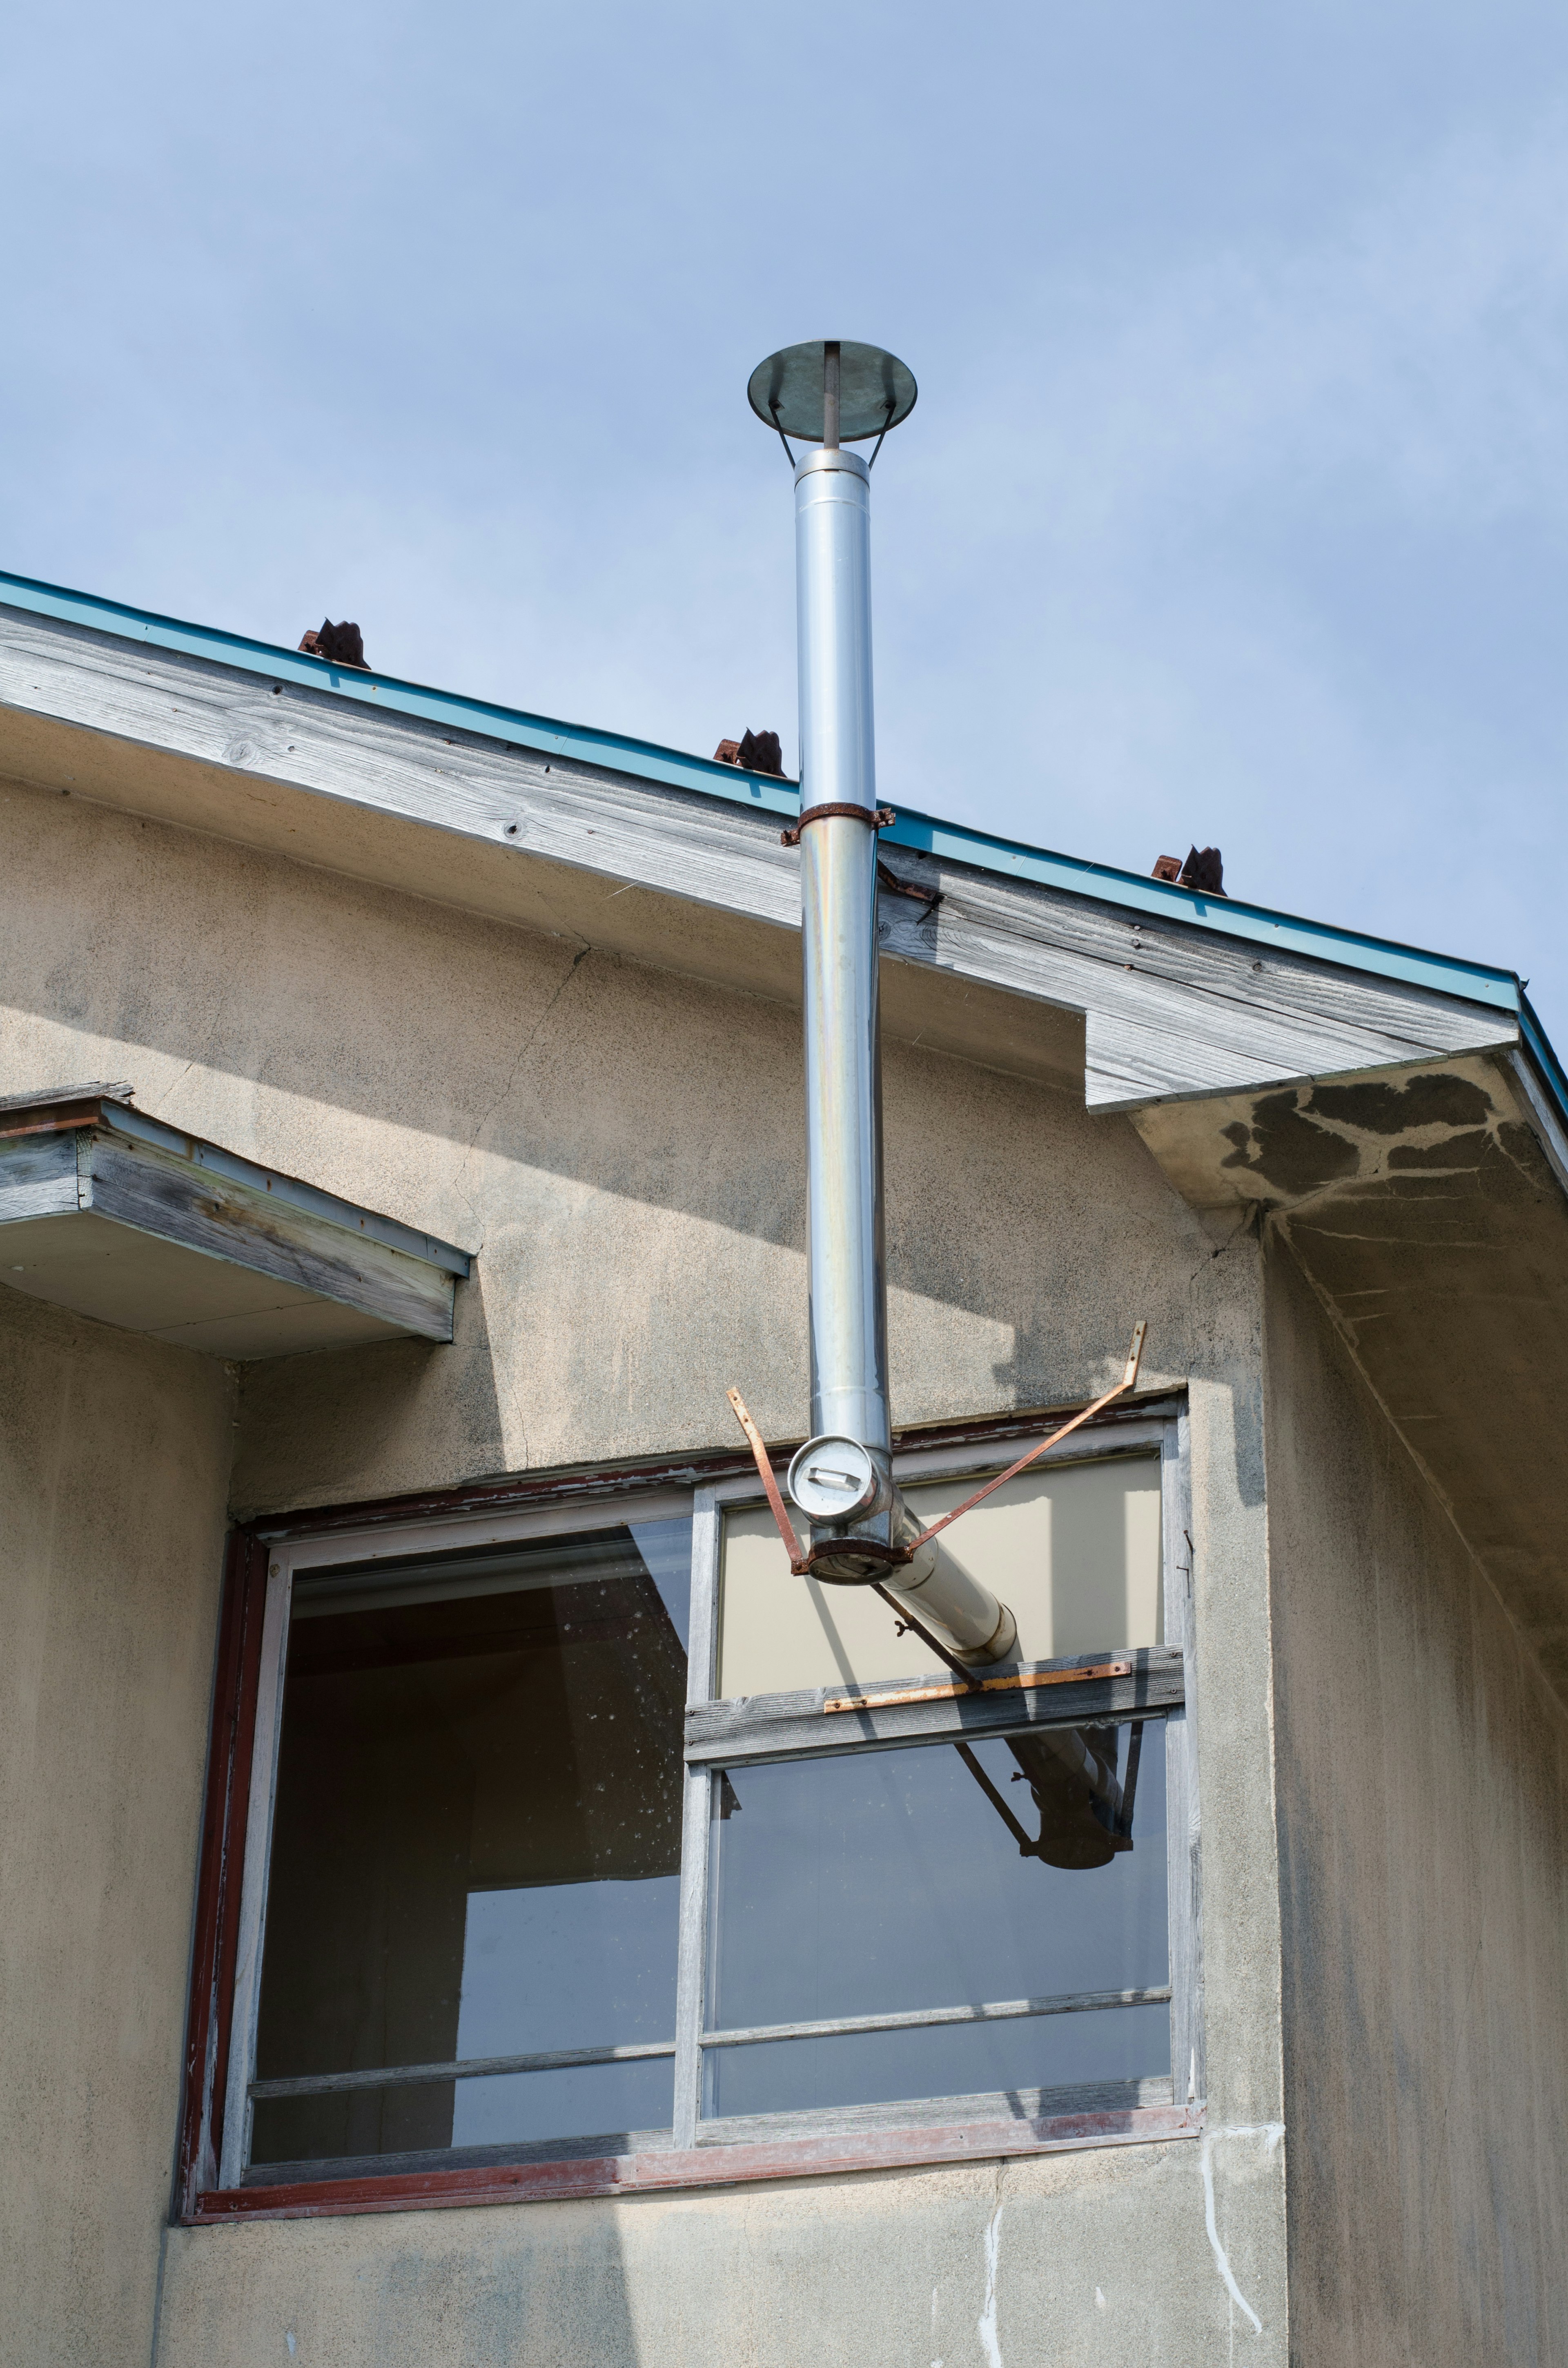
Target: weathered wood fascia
column 156, row 1193
column 770, row 1727
column 1171, row 1011
column 212, row 1208
column 109, row 1110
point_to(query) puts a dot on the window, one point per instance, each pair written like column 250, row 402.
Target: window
column 584, row 1832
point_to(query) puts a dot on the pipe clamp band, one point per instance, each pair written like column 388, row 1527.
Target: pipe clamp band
column 880, row 820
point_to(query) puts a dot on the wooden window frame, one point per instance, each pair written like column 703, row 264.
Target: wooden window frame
column 231, row 1906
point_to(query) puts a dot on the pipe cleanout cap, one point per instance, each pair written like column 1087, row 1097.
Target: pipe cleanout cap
column 833, row 1478
column 791, row 391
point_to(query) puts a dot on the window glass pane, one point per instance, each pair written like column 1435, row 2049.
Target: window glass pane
column 885, row 1881
column 476, row 1845
column 1074, row 1550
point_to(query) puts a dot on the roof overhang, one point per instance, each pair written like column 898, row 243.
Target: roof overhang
column 114, row 1215
column 1398, row 1115
column 1131, row 990
column 1425, row 1203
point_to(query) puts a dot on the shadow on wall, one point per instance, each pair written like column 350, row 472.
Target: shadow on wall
column 435, row 1042
column 505, row 2301
column 340, row 1414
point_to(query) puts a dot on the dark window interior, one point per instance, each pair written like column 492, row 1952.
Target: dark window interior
column 476, row 1844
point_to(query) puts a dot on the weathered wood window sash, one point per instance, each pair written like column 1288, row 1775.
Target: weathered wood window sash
column 217, row 2181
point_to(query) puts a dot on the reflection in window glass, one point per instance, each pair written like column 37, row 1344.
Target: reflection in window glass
column 886, row 1881
column 476, row 1844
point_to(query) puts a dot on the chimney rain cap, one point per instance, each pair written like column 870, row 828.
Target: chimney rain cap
column 876, row 390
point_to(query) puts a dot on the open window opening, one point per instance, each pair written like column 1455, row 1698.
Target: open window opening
column 475, row 1860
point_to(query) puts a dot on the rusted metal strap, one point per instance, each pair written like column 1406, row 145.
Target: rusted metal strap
column 929, row 897
column 791, row 1542
column 1134, row 1356
column 880, row 820
column 1023, row 1681
column 801, row 1557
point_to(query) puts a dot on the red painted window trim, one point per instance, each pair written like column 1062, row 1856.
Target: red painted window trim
column 216, row 1929
column 222, row 1866
column 215, row 1938
column 713, row 2166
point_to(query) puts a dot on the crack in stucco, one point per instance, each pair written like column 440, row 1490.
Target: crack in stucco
column 1248, row 1218
column 524, row 1049
column 985, row 2325
column 1271, row 2132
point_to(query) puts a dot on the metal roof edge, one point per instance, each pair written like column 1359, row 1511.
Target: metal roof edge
column 1227, row 916
column 1539, row 1045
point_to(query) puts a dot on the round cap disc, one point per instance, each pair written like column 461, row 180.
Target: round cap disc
column 831, row 1478
column 875, row 391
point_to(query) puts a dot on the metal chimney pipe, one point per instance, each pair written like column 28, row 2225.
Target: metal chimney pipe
column 842, row 1479
column 838, row 912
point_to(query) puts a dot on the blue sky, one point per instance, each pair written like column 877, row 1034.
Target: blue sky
column 1236, row 506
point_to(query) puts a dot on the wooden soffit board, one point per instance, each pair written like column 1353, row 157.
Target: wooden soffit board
column 122, row 1219
column 1068, row 987
column 1426, row 1206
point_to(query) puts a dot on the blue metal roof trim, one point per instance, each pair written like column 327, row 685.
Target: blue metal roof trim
column 1445, row 975
column 1475, row 982
column 1539, row 1044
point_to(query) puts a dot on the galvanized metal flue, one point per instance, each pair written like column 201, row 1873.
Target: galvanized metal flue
column 861, row 1531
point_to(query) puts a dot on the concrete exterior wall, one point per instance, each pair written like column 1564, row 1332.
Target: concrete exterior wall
column 622, row 1147
column 1422, row 1790
column 1094, row 2261
column 114, row 1461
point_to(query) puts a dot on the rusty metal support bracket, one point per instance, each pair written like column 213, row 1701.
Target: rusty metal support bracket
column 802, row 1557
column 888, row 878
column 798, row 1561
column 1129, row 1375
column 1026, row 1848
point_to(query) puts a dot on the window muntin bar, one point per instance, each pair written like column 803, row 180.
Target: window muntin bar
column 926, row 2018
column 471, row 2068
column 1124, row 2050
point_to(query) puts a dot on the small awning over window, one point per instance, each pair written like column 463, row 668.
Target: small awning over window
column 129, row 1221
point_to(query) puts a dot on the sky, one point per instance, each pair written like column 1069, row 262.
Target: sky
column 1235, row 508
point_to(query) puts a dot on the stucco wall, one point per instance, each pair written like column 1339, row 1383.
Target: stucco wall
column 1423, row 1792
column 622, row 1147
column 1090, row 2261
column 114, row 1457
